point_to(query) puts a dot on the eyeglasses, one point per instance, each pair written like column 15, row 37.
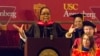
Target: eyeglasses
column 45, row 13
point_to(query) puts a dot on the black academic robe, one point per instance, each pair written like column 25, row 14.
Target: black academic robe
column 78, row 33
column 44, row 31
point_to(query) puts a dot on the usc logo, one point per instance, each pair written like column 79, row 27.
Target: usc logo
column 71, row 6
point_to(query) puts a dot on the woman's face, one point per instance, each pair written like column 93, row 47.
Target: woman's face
column 86, row 41
column 45, row 15
column 78, row 22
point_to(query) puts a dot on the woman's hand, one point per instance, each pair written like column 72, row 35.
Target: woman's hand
column 20, row 29
column 71, row 29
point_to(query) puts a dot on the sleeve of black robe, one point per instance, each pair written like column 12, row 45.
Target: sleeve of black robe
column 60, row 31
column 30, row 31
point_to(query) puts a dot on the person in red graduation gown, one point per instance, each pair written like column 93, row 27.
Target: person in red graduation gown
column 86, row 48
column 89, row 29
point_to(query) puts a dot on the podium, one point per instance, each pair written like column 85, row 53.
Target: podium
column 47, row 47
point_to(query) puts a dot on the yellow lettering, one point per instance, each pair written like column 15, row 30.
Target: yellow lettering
column 70, row 6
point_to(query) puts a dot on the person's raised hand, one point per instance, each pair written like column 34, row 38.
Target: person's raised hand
column 20, row 29
column 71, row 29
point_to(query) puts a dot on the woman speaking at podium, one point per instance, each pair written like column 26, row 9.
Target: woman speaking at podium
column 44, row 28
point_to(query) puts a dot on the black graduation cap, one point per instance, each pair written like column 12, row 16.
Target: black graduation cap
column 78, row 15
column 88, row 23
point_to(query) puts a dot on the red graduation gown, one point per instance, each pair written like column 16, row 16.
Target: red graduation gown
column 76, row 52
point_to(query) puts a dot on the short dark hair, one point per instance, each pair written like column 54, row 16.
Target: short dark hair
column 88, row 23
column 42, row 9
column 78, row 15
